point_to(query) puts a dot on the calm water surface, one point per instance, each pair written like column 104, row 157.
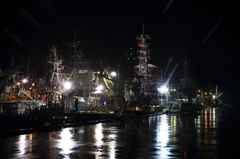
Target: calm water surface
column 163, row 136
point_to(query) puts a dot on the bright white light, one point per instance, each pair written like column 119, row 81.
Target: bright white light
column 24, row 80
column 99, row 88
column 113, row 74
column 67, row 85
column 163, row 89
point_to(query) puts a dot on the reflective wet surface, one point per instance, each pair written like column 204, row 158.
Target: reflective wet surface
column 164, row 136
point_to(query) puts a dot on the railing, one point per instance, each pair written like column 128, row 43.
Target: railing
column 108, row 108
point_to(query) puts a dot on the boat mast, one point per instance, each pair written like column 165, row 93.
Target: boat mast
column 81, row 66
column 78, row 61
column 57, row 75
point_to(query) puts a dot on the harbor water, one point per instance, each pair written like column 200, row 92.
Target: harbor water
column 172, row 135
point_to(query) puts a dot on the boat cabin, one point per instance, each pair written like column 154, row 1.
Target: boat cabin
column 94, row 99
column 14, row 107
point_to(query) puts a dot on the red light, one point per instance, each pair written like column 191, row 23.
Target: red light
column 185, row 154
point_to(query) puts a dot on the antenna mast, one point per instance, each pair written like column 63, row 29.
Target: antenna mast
column 78, row 61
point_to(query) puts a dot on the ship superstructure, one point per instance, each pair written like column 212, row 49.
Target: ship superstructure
column 152, row 84
column 81, row 72
column 85, row 80
column 16, row 87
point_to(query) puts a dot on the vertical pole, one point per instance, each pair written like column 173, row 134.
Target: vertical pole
column 28, row 67
column 118, row 72
column 216, row 91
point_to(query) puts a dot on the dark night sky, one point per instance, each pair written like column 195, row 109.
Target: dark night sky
column 206, row 31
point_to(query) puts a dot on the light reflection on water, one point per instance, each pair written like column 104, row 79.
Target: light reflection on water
column 163, row 136
column 23, row 145
column 66, row 143
column 98, row 134
column 22, row 142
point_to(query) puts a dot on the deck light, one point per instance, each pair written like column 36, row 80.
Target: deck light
column 113, row 74
column 24, row 80
column 67, row 85
column 163, row 89
column 99, row 88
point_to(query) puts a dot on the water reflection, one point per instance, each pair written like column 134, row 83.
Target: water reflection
column 23, row 146
column 200, row 132
column 66, row 143
column 164, row 136
column 209, row 118
column 98, row 133
column 163, row 132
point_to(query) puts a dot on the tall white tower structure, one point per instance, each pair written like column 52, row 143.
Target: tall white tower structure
column 143, row 53
column 58, row 76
